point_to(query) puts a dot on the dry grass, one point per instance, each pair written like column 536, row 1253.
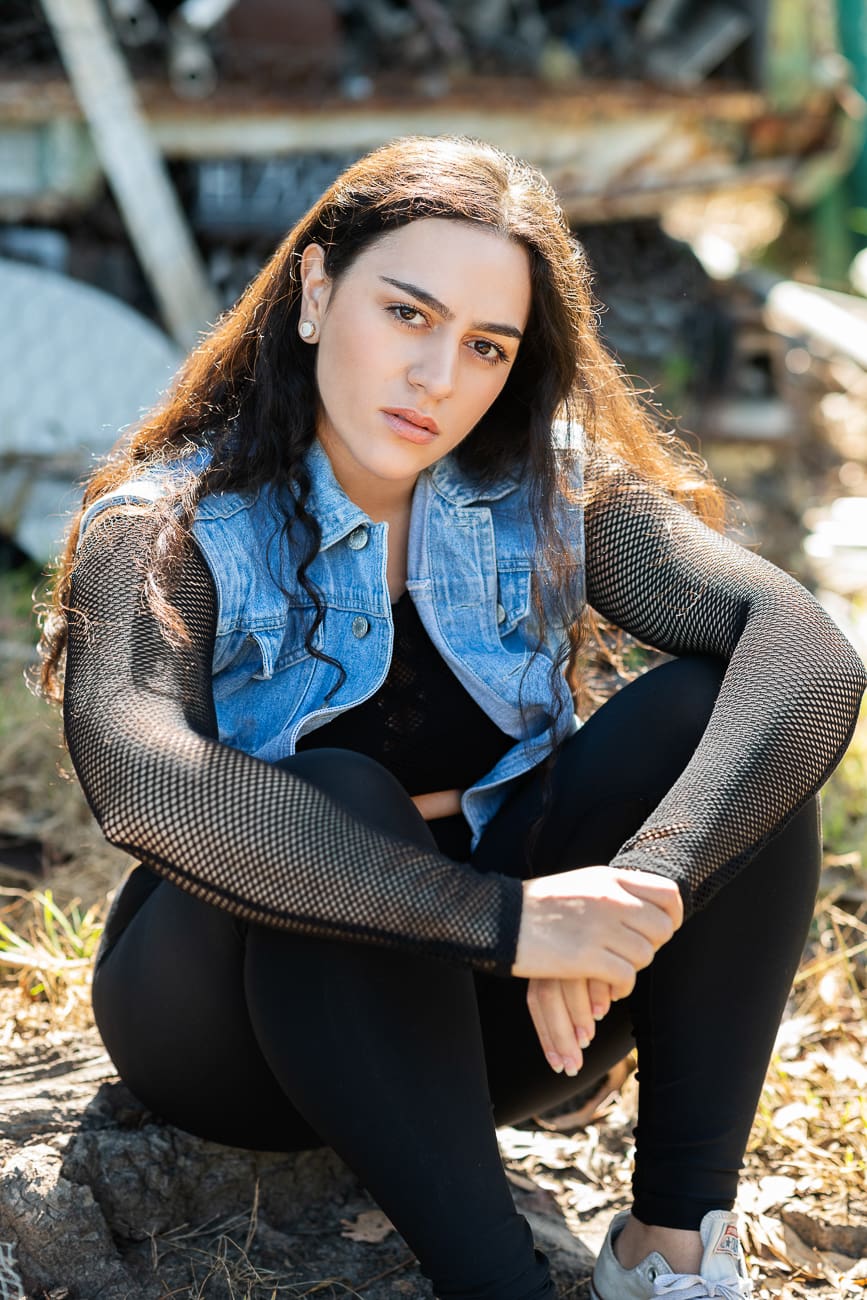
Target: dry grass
column 218, row 1254
column 217, row 1257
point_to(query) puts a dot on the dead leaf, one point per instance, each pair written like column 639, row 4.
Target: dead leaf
column 552, row 1151
column 596, row 1106
column 832, row 987
column 794, row 1113
column 843, row 1239
column 843, row 1067
column 786, row 1245
column 792, row 1034
column 818, row 1265
column 758, row 1198
column 584, row 1199
column 371, row 1226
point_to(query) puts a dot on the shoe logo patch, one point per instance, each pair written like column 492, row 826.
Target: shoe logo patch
column 729, row 1243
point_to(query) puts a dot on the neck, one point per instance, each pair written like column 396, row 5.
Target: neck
column 382, row 504
column 380, row 499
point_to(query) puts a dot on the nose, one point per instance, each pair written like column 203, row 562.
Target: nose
column 434, row 366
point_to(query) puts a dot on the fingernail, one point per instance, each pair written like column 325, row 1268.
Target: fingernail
column 571, row 1067
column 583, row 1039
column 598, row 1013
column 555, row 1063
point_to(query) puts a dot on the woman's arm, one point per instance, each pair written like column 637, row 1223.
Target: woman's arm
column 788, row 702
column 235, row 831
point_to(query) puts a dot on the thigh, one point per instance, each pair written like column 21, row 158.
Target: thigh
column 603, row 782
column 169, row 1001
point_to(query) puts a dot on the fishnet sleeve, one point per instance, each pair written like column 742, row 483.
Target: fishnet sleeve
column 228, row 828
column 789, row 698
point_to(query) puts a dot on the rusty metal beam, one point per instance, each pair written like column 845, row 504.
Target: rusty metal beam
column 35, row 96
column 133, row 166
column 612, row 150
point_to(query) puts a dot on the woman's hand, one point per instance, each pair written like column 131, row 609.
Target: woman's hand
column 563, row 1018
column 618, row 920
column 596, row 923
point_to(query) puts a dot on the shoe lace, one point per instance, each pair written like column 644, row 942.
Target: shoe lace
column 689, row 1286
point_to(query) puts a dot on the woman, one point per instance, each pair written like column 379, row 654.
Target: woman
column 319, row 615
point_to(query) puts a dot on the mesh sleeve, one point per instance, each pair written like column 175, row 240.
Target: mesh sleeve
column 228, row 828
column 789, row 698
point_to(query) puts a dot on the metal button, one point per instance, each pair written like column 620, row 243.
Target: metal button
column 358, row 538
column 501, row 614
column 360, row 626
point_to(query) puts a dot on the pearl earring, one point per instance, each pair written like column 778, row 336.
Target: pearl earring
column 307, row 330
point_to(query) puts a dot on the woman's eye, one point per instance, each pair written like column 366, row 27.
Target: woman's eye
column 492, row 352
column 404, row 312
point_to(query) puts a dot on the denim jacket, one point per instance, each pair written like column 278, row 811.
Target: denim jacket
column 470, row 562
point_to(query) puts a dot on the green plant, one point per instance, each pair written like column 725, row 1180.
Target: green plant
column 49, row 949
column 844, row 803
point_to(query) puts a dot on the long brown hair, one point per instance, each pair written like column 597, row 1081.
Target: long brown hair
column 248, row 391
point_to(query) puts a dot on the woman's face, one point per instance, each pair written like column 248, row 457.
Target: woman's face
column 415, row 341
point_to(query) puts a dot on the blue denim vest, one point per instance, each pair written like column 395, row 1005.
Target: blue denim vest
column 470, row 562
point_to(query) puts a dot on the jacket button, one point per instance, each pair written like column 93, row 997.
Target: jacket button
column 501, row 614
column 360, row 626
column 358, row 538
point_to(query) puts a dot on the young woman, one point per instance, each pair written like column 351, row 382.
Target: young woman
column 319, row 615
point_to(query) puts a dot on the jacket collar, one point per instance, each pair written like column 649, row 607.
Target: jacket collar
column 454, row 485
column 338, row 516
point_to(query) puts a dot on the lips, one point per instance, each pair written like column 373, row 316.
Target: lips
column 411, row 424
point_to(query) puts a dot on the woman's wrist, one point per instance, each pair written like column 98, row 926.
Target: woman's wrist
column 439, row 803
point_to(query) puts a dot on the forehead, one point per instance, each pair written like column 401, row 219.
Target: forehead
column 466, row 265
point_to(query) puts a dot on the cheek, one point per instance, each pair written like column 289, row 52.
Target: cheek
column 489, row 384
column 337, row 363
column 352, row 353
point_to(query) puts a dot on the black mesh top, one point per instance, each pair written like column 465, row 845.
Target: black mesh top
column 266, row 845
column 421, row 724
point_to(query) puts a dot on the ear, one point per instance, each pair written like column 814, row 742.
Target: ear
column 315, row 284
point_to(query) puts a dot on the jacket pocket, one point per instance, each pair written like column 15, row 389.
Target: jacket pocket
column 257, row 654
column 514, row 599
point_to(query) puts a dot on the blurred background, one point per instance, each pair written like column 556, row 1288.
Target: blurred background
column 710, row 156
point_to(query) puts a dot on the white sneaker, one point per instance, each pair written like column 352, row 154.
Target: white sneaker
column 722, row 1273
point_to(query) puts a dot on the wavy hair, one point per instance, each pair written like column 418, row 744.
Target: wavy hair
column 248, row 393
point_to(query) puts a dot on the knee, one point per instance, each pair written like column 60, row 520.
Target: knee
column 345, row 774
column 365, row 788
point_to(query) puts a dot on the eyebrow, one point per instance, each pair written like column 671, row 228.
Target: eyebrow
column 490, row 327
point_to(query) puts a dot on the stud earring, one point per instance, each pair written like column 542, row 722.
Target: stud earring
column 307, row 330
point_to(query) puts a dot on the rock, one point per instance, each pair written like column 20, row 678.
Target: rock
column 95, row 1191
column 61, row 1237
column 152, row 1178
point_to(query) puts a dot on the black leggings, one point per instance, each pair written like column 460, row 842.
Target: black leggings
column 260, row 1038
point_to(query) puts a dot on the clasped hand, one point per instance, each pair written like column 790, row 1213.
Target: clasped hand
column 583, row 937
